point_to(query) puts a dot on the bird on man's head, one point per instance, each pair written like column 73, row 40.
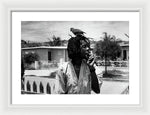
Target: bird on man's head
column 77, row 31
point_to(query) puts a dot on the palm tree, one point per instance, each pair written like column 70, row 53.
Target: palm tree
column 107, row 49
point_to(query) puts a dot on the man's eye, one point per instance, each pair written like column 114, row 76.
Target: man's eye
column 83, row 46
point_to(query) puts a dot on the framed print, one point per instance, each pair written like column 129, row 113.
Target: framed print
column 78, row 58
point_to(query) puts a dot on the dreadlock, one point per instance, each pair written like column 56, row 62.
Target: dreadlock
column 73, row 47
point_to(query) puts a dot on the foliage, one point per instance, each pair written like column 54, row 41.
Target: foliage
column 108, row 49
column 56, row 41
column 23, row 43
column 30, row 58
column 30, row 44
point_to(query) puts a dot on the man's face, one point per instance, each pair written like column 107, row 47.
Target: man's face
column 85, row 49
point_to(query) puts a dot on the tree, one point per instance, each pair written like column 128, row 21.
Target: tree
column 30, row 58
column 30, row 44
column 23, row 43
column 56, row 41
column 108, row 49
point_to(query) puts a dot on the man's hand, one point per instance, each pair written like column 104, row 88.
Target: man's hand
column 91, row 59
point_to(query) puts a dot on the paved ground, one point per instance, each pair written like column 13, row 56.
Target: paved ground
column 100, row 69
column 113, row 87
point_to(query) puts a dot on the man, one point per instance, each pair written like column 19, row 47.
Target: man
column 78, row 75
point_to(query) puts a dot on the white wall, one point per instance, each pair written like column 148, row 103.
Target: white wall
column 57, row 54
column 5, row 57
column 43, row 53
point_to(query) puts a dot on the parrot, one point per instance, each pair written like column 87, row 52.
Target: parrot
column 77, row 31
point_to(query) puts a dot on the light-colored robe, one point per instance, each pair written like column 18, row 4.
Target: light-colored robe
column 68, row 83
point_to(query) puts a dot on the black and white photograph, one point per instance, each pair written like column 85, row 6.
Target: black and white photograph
column 75, row 57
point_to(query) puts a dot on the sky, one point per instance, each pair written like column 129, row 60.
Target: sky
column 42, row 31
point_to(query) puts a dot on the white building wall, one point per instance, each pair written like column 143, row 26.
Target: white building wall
column 43, row 54
column 56, row 54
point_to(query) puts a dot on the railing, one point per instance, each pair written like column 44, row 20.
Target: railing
column 113, row 63
column 37, row 85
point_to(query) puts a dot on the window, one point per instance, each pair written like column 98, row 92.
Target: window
column 49, row 56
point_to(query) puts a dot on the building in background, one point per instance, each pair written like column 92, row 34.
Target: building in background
column 59, row 53
column 124, row 51
column 48, row 53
